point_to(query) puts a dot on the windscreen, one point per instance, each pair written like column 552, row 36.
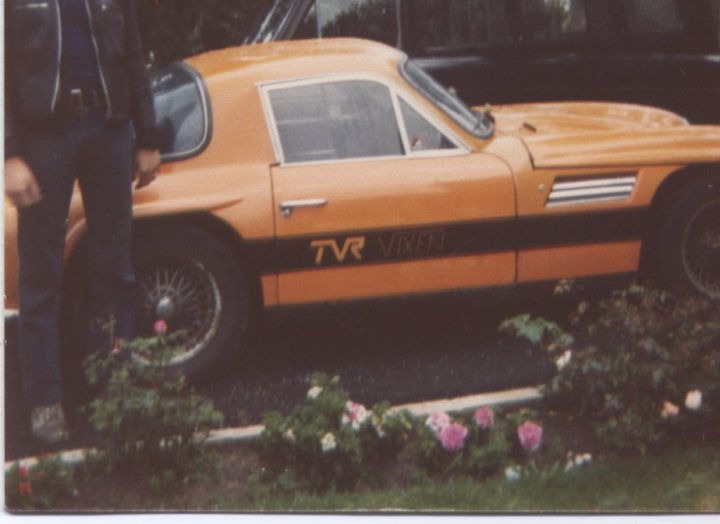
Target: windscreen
column 477, row 124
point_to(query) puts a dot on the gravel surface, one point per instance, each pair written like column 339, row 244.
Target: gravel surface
column 402, row 350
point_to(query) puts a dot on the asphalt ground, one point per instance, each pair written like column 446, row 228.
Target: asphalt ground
column 401, row 350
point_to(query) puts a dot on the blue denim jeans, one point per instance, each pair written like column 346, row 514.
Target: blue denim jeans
column 99, row 156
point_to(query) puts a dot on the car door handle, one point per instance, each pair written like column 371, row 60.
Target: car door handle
column 287, row 207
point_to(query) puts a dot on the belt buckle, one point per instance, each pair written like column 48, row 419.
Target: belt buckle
column 76, row 99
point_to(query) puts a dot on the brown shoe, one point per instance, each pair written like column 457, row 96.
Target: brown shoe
column 47, row 424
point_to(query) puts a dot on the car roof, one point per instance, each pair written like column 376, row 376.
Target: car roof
column 275, row 61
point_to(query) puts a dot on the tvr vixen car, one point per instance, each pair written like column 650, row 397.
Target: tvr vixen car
column 334, row 170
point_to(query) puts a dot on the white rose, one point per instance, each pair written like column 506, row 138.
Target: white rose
column 377, row 424
column 379, row 430
column 355, row 415
column 328, row 443
column 289, row 435
column 693, row 400
column 563, row 360
column 437, row 421
column 362, row 415
column 512, row 473
column 314, row 392
column 581, row 460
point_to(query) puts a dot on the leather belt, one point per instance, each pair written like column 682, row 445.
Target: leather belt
column 80, row 99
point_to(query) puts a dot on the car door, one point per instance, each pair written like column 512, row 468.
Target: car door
column 374, row 196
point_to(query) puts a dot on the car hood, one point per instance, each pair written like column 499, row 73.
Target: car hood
column 605, row 134
column 573, row 117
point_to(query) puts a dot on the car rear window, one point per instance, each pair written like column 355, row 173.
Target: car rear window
column 182, row 111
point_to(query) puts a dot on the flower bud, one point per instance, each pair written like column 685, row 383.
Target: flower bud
column 160, row 327
column 669, row 410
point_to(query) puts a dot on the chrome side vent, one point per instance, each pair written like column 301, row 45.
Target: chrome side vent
column 590, row 190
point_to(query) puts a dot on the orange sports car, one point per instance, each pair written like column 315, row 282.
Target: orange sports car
column 320, row 171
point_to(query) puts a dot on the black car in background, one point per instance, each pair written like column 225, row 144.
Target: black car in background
column 663, row 53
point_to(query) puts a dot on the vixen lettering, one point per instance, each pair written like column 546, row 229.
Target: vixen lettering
column 412, row 244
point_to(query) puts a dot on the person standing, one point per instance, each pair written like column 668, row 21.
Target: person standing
column 78, row 106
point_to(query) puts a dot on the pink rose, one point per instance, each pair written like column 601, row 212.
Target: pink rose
column 530, row 435
column 160, row 327
column 437, row 421
column 485, row 418
column 452, row 436
column 355, row 414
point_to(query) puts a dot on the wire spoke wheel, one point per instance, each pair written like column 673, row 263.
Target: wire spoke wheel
column 186, row 295
column 701, row 249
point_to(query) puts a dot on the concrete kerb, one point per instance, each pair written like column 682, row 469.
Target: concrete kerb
column 248, row 433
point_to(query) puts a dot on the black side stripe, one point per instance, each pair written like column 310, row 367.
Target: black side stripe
column 582, row 228
column 446, row 240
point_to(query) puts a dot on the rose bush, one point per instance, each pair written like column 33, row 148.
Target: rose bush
column 329, row 441
column 465, row 445
column 630, row 362
column 150, row 423
column 39, row 487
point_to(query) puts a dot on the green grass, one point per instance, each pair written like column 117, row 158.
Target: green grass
column 680, row 481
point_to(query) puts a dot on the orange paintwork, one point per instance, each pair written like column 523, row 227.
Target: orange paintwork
column 396, row 278
column 374, row 194
column 397, row 193
column 238, row 180
column 564, row 262
column 570, row 117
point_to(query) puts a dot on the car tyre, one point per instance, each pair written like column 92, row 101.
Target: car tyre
column 193, row 281
column 690, row 241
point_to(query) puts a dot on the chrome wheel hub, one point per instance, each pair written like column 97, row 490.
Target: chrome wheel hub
column 184, row 294
column 165, row 308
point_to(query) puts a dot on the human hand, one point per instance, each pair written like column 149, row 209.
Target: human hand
column 147, row 162
column 21, row 187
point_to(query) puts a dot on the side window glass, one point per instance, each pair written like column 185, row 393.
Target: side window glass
column 422, row 135
column 652, row 16
column 552, row 19
column 182, row 111
column 335, row 120
column 373, row 19
column 460, row 23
